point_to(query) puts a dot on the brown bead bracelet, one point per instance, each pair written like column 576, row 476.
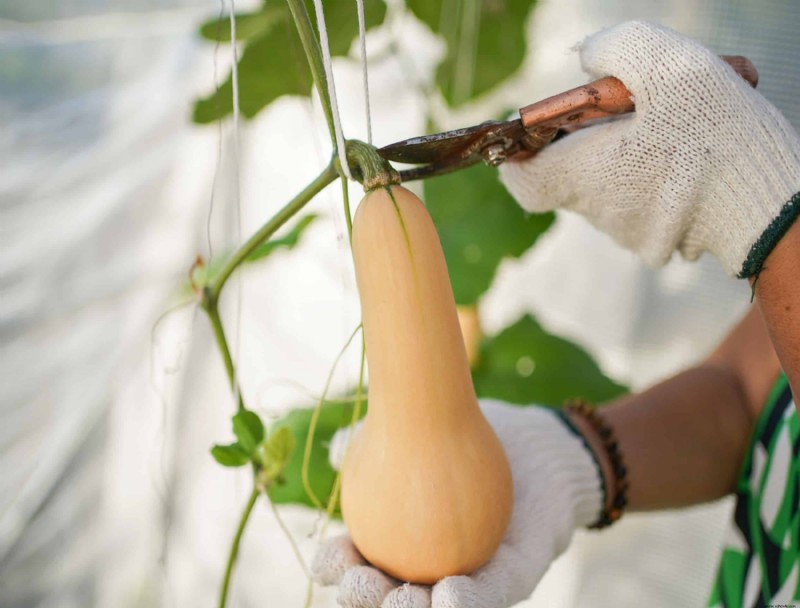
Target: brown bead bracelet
column 620, row 482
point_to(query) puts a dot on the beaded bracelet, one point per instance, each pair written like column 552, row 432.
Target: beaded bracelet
column 620, row 482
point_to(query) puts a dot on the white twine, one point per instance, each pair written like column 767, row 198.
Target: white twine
column 326, row 58
column 237, row 197
column 362, row 36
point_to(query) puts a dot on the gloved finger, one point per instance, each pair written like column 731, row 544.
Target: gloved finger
column 504, row 581
column 408, row 596
column 646, row 57
column 334, row 557
column 364, row 587
column 553, row 178
column 339, row 443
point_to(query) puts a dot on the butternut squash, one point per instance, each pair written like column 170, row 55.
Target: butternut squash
column 426, row 486
column 470, row 323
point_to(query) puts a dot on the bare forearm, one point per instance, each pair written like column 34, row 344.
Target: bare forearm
column 684, row 439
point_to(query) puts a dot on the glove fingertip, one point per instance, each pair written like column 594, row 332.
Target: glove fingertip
column 364, row 587
column 457, row 592
column 408, row 596
column 333, row 559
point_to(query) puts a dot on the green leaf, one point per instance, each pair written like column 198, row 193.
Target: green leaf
column 479, row 224
column 288, row 241
column 333, row 416
column 275, row 452
column 249, row 430
column 524, row 364
column 232, row 455
column 485, row 42
column 273, row 63
column 248, row 25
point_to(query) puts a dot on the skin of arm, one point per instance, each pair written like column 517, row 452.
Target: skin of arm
column 777, row 292
column 684, row 439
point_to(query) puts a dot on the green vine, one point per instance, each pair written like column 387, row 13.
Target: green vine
column 312, row 427
column 314, row 56
column 234, row 552
column 212, row 310
column 368, row 168
column 328, row 175
column 334, row 496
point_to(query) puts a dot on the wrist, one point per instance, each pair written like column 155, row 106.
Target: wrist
column 601, row 442
column 594, row 444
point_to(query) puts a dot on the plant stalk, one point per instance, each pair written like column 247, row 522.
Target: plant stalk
column 212, row 310
column 328, row 175
column 223, row 598
column 347, row 214
column 314, row 56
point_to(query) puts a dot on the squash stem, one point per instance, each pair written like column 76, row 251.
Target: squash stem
column 369, row 167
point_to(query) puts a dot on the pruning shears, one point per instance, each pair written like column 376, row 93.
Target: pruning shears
column 539, row 124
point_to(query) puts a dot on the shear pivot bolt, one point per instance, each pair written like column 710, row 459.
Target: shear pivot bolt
column 494, row 154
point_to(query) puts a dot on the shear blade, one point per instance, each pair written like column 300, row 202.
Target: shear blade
column 451, row 146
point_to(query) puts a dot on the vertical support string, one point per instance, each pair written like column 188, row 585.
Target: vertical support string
column 362, row 36
column 237, row 197
column 326, row 58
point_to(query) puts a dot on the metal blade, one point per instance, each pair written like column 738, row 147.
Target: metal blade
column 438, row 148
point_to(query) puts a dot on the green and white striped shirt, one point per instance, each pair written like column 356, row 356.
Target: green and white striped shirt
column 760, row 565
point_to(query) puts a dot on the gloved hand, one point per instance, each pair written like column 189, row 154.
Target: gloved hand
column 557, row 487
column 705, row 163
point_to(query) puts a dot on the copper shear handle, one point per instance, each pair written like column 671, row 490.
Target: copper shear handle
column 538, row 125
column 602, row 98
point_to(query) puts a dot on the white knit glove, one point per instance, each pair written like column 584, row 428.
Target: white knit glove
column 557, row 487
column 704, row 164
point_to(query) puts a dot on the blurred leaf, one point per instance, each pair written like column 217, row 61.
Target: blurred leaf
column 333, row 416
column 479, row 224
column 289, row 240
column 485, row 42
column 232, row 455
column 524, row 364
column 273, row 63
column 249, row 430
column 280, row 444
column 275, row 452
column 248, row 25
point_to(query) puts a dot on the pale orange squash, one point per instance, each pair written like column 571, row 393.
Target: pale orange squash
column 470, row 322
column 426, row 486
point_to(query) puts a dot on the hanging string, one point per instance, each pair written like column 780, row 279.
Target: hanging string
column 362, row 37
column 237, row 197
column 218, row 163
column 326, row 58
column 467, row 51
